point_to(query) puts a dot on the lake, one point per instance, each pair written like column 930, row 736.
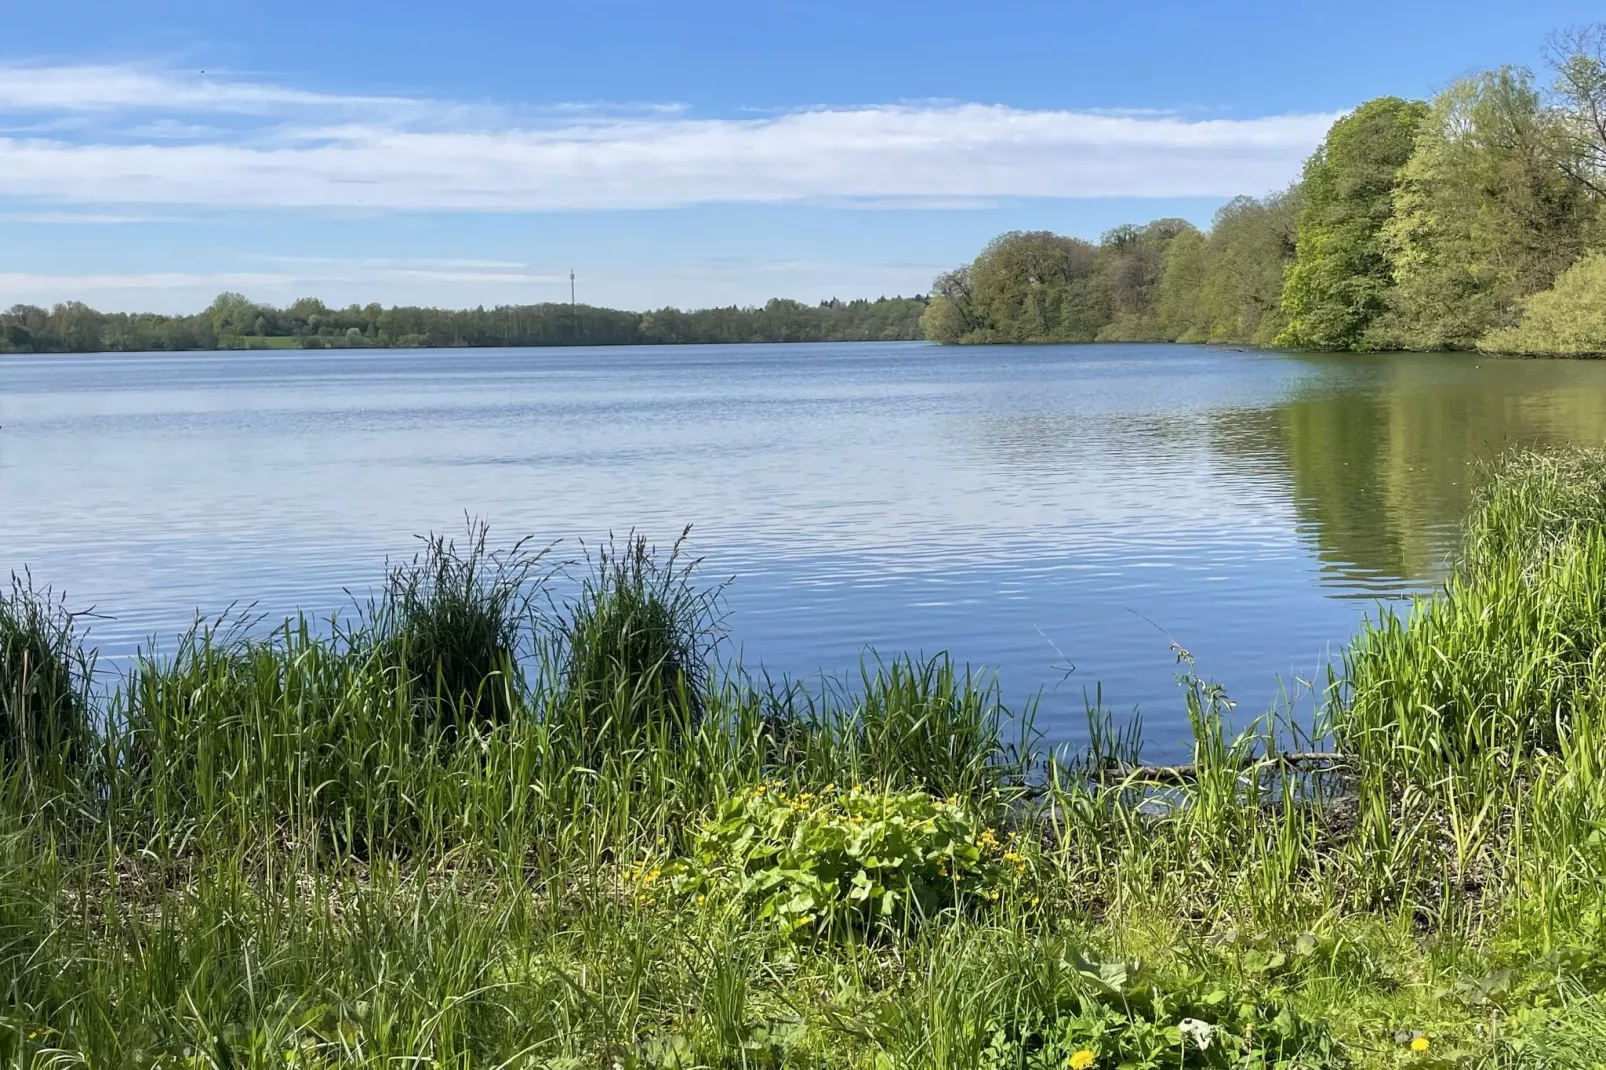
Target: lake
column 1026, row 509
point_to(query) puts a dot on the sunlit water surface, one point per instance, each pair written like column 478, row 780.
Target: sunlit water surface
column 1026, row 509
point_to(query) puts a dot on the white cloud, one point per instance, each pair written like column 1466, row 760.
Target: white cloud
column 299, row 149
column 109, row 89
column 15, row 286
column 430, row 262
column 95, row 218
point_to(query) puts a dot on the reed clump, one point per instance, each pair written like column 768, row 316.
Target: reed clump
column 907, row 723
column 636, row 645
column 319, row 847
column 1506, row 671
column 1510, row 661
column 45, row 676
column 455, row 623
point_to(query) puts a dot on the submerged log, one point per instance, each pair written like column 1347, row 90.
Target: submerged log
column 1302, row 761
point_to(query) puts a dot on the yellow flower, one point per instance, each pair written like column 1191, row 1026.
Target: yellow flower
column 1082, row 1059
column 1420, row 1044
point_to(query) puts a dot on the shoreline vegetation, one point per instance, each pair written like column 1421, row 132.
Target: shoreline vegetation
column 1470, row 222
column 234, row 322
column 476, row 824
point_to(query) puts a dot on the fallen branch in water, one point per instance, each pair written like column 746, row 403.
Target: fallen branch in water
column 1304, row 761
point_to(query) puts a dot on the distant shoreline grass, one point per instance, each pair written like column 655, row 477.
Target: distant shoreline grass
column 476, row 826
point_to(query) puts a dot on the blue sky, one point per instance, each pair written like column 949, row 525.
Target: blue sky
column 153, row 154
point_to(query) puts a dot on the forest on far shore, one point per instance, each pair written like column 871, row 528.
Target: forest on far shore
column 234, row 322
column 1472, row 221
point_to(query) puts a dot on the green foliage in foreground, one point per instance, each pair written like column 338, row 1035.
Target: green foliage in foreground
column 637, row 641
column 265, row 857
column 839, row 861
column 1533, row 502
column 451, row 622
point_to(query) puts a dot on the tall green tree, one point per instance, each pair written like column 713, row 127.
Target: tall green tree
column 1131, row 265
column 1341, row 274
column 1579, row 59
column 951, row 314
column 1484, row 214
column 1182, row 281
column 1227, row 286
column 1034, row 286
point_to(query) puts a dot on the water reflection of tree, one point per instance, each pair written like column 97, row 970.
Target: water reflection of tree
column 1382, row 452
column 1379, row 454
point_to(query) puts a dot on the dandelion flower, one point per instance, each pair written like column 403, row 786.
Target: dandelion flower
column 1082, row 1059
column 1420, row 1044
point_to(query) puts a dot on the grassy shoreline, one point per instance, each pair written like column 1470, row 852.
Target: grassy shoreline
column 472, row 827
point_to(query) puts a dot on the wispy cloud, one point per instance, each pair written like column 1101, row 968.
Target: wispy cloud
column 18, row 285
column 86, row 218
column 120, row 89
column 410, row 263
column 160, row 138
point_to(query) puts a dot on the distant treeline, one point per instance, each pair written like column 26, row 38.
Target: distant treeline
column 1474, row 221
column 232, row 321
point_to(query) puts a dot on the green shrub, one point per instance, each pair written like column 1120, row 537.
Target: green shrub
column 1567, row 320
column 44, row 675
column 842, row 861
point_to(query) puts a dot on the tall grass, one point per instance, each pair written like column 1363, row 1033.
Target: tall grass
column 637, row 646
column 420, row 840
column 1530, row 501
column 1477, row 719
column 455, row 624
column 45, row 676
column 912, row 724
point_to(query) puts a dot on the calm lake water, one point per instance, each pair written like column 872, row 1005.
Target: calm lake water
column 1022, row 508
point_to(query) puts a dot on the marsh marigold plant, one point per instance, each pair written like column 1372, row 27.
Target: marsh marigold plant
column 836, row 860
